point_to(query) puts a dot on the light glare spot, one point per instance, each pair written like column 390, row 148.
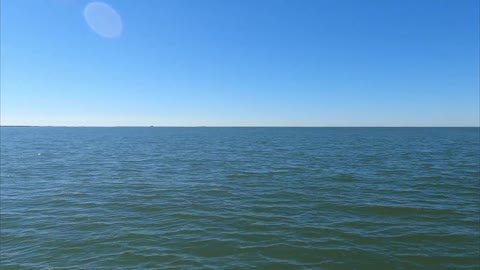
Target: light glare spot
column 103, row 19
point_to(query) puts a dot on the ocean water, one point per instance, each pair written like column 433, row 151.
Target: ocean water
column 240, row 198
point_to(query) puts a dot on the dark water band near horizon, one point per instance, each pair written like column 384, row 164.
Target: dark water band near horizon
column 240, row 198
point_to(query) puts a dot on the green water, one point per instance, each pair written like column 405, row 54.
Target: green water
column 240, row 198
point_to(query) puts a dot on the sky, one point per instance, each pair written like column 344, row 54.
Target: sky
column 240, row 62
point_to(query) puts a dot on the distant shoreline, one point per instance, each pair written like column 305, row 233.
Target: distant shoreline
column 33, row 126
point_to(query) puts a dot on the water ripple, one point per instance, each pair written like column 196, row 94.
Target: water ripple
column 181, row 198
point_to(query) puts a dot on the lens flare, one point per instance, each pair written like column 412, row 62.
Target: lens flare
column 103, row 20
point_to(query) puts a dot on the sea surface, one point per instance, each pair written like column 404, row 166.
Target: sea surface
column 240, row 198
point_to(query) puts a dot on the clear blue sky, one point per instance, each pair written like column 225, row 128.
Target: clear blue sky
column 243, row 62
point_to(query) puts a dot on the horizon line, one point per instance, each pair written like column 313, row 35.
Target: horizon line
column 212, row 126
